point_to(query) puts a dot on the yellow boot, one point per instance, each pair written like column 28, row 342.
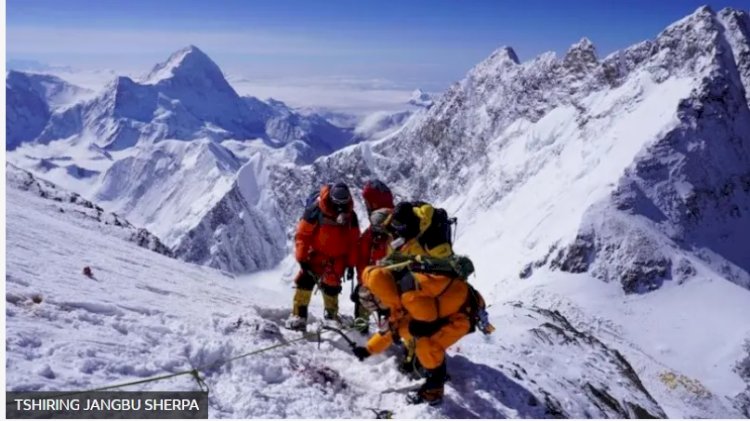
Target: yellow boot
column 298, row 319
column 331, row 305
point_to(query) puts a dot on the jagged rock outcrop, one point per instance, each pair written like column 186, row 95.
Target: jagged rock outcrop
column 691, row 186
column 68, row 202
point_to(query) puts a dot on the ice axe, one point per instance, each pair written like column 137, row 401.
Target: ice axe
column 351, row 343
column 382, row 414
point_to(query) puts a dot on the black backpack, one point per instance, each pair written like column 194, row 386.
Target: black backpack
column 312, row 198
column 440, row 230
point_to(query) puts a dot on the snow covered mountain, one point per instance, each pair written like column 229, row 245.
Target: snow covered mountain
column 32, row 98
column 605, row 203
column 380, row 124
column 162, row 150
column 186, row 97
column 631, row 169
column 285, row 125
column 533, row 128
column 56, row 92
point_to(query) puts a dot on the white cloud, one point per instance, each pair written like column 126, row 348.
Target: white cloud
column 346, row 94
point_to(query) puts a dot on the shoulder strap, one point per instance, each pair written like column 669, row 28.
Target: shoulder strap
column 313, row 214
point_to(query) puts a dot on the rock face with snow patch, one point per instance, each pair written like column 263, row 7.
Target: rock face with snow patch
column 28, row 112
column 420, row 98
column 598, row 396
column 743, row 369
column 19, row 179
column 645, row 152
column 233, row 236
column 689, row 191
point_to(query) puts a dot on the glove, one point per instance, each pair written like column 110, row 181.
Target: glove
column 419, row 329
column 349, row 274
column 305, row 266
column 361, row 352
column 366, row 299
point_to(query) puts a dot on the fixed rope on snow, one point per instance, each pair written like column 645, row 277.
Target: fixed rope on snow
column 195, row 372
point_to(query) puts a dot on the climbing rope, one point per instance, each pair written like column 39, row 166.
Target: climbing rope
column 195, row 372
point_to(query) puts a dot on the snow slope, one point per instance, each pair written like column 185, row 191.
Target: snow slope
column 83, row 210
column 144, row 314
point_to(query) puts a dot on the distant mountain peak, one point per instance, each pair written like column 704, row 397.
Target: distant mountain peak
column 188, row 61
column 505, row 54
column 584, row 48
column 705, row 9
column 581, row 55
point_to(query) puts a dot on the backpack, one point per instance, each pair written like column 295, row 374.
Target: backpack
column 461, row 267
column 440, row 230
column 312, row 198
column 454, row 265
column 377, row 195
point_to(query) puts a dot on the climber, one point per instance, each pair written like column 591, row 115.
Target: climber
column 373, row 243
column 421, row 229
column 326, row 249
column 427, row 307
column 377, row 195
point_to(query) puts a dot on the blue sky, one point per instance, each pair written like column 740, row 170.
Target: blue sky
column 430, row 43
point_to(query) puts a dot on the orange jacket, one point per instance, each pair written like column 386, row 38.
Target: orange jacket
column 425, row 298
column 371, row 249
column 320, row 238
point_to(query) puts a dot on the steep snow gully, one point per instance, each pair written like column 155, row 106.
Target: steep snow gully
column 605, row 203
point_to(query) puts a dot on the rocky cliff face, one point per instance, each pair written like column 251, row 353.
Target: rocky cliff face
column 654, row 138
column 688, row 191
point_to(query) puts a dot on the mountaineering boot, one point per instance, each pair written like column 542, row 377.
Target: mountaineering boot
column 337, row 320
column 296, row 323
column 331, row 319
column 431, row 396
column 331, row 313
column 433, row 389
column 409, row 364
column 412, row 368
column 298, row 319
column 361, row 318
